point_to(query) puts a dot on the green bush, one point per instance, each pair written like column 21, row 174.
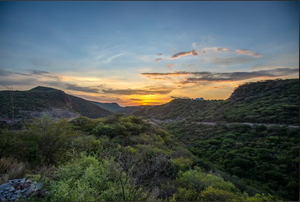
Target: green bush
column 85, row 179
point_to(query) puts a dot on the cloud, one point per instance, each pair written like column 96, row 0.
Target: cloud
column 170, row 66
column 82, row 89
column 203, row 51
column 181, row 54
column 222, row 49
column 191, row 65
column 4, row 72
column 136, row 99
column 159, row 54
column 195, row 77
column 113, row 57
column 248, row 52
column 158, row 59
column 217, row 87
column 238, row 76
column 137, row 91
column 178, row 73
column 232, row 60
column 12, row 81
column 180, row 97
column 39, row 72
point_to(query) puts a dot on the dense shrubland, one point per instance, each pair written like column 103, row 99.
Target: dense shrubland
column 271, row 101
column 264, row 158
column 115, row 158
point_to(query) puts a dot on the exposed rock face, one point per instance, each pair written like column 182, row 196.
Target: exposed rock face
column 19, row 189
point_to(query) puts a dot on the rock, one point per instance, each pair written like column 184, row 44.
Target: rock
column 18, row 192
column 29, row 191
column 14, row 197
column 16, row 184
column 9, row 195
column 5, row 186
column 11, row 189
column 40, row 185
column 25, row 185
column 28, row 180
column 22, row 181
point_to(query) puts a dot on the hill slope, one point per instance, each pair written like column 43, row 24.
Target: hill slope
column 271, row 101
column 113, row 107
column 44, row 98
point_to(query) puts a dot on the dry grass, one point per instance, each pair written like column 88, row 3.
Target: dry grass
column 10, row 168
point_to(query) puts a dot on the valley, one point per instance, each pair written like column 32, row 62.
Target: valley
column 180, row 140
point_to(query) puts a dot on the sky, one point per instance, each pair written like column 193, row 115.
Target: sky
column 147, row 53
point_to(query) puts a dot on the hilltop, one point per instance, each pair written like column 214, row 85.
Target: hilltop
column 270, row 101
column 34, row 101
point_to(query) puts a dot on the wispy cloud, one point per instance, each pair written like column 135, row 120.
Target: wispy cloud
column 82, row 89
column 147, row 91
column 170, row 66
column 4, row 72
column 135, row 99
column 39, row 72
column 217, row 87
column 159, row 54
column 191, row 65
column 248, row 52
column 196, row 77
column 108, row 60
column 181, row 54
column 158, row 59
column 222, row 49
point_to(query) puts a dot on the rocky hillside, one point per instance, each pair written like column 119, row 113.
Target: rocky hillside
column 36, row 100
column 271, row 101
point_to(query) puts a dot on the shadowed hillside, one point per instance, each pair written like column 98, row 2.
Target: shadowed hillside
column 43, row 98
column 271, row 101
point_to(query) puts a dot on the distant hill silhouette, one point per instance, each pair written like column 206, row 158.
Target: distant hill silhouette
column 113, row 107
column 44, row 98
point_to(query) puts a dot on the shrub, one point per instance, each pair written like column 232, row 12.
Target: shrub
column 85, row 179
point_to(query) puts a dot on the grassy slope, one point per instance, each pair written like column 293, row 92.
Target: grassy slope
column 271, row 101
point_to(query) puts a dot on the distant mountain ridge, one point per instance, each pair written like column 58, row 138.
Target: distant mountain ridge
column 42, row 98
column 270, row 101
column 113, row 107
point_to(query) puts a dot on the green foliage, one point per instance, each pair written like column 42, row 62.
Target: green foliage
column 46, row 141
column 270, row 101
column 265, row 158
column 85, row 179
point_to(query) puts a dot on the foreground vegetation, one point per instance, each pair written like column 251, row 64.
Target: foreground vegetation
column 263, row 158
column 118, row 158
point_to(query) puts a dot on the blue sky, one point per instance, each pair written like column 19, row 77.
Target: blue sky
column 108, row 47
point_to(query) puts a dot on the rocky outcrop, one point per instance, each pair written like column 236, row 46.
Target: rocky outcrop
column 18, row 189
